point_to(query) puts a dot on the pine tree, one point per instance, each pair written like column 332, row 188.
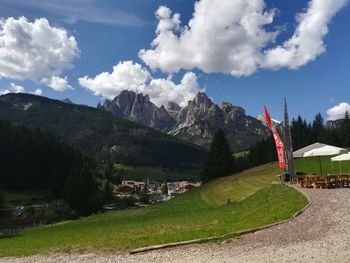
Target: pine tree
column 345, row 130
column 144, row 198
column 220, row 161
column 317, row 127
column 81, row 191
column 165, row 188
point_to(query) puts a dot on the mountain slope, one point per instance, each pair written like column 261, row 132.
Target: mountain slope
column 138, row 108
column 99, row 133
column 201, row 118
column 197, row 122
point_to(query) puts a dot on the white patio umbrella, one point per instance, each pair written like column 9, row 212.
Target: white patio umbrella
column 340, row 158
column 300, row 153
column 326, row 150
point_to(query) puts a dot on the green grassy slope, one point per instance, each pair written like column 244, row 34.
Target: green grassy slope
column 196, row 214
column 311, row 165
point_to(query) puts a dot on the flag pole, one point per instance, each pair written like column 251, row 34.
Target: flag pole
column 278, row 142
column 287, row 136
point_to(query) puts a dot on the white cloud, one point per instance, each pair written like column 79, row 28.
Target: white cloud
column 34, row 50
column 38, row 92
column 127, row 75
column 338, row 111
column 230, row 36
column 307, row 41
column 57, row 83
column 13, row 88
column 161, row 91
column 222, row 36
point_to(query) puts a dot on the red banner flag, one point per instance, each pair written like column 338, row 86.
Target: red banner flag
column 278, row 141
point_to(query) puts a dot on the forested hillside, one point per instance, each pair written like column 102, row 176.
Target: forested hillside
column 99, row 133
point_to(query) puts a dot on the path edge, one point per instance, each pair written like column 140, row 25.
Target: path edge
column 237, row 233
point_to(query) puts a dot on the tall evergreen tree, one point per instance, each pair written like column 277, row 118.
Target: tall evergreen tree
column 317, row 127
column 220, row 161
column 300, row 131
column 81, row 191
column 263, row 151
column 165, row 188
column 344, row 131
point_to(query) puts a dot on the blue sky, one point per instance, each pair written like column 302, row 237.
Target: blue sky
column 109, row 32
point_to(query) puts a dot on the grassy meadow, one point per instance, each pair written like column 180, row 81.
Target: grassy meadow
column 140, row 173
column 311, row 165
column 257, row 198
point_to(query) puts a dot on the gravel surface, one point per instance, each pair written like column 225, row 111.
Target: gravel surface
column 320, row 234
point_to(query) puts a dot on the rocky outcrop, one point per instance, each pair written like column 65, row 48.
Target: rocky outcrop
column 138, row 108
column 334, row 124
column 201, row 118
column 197, row 122
column 173, row 109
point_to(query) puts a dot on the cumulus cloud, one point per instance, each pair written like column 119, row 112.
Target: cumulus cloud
column 13, row 88
column 338, row 111
column 38, row 92
column 230, row 36
column 222, row 36
column 34, row 50
column 128, row 75
column 161, row 91
column 125, row 76
column 307, row 41
column 57, row 83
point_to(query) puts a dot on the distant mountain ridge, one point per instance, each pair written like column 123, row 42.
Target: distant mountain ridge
column 138, row 108
column 197, row 122
column 201, row 118
column 99, row 133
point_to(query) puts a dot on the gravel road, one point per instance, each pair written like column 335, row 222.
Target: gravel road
column 320, row 234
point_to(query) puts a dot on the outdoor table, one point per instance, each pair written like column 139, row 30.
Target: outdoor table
column 317, row 181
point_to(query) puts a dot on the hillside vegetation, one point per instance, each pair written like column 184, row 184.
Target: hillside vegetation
column 141, row 173
column 100, row 134
column 200, row 213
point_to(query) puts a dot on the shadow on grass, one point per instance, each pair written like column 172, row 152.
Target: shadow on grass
column 8, row 236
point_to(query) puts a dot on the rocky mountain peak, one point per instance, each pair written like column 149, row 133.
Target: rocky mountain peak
column 200, row 119
column 197, row 122
column 67, row 100
column 261, row 118
column 173, row 109
column 227, row 107
column 173, row 106
column 201, row 99
column 139, row 108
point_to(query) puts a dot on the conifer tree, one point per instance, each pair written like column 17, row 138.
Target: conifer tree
column 345, row 130
column 317, row 127
column 220, row 161
column 165, row 188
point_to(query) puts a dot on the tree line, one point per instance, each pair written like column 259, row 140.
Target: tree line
column 31, row 159
column 221, row 162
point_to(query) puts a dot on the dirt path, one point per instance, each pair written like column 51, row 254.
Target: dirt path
column 320, row 234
